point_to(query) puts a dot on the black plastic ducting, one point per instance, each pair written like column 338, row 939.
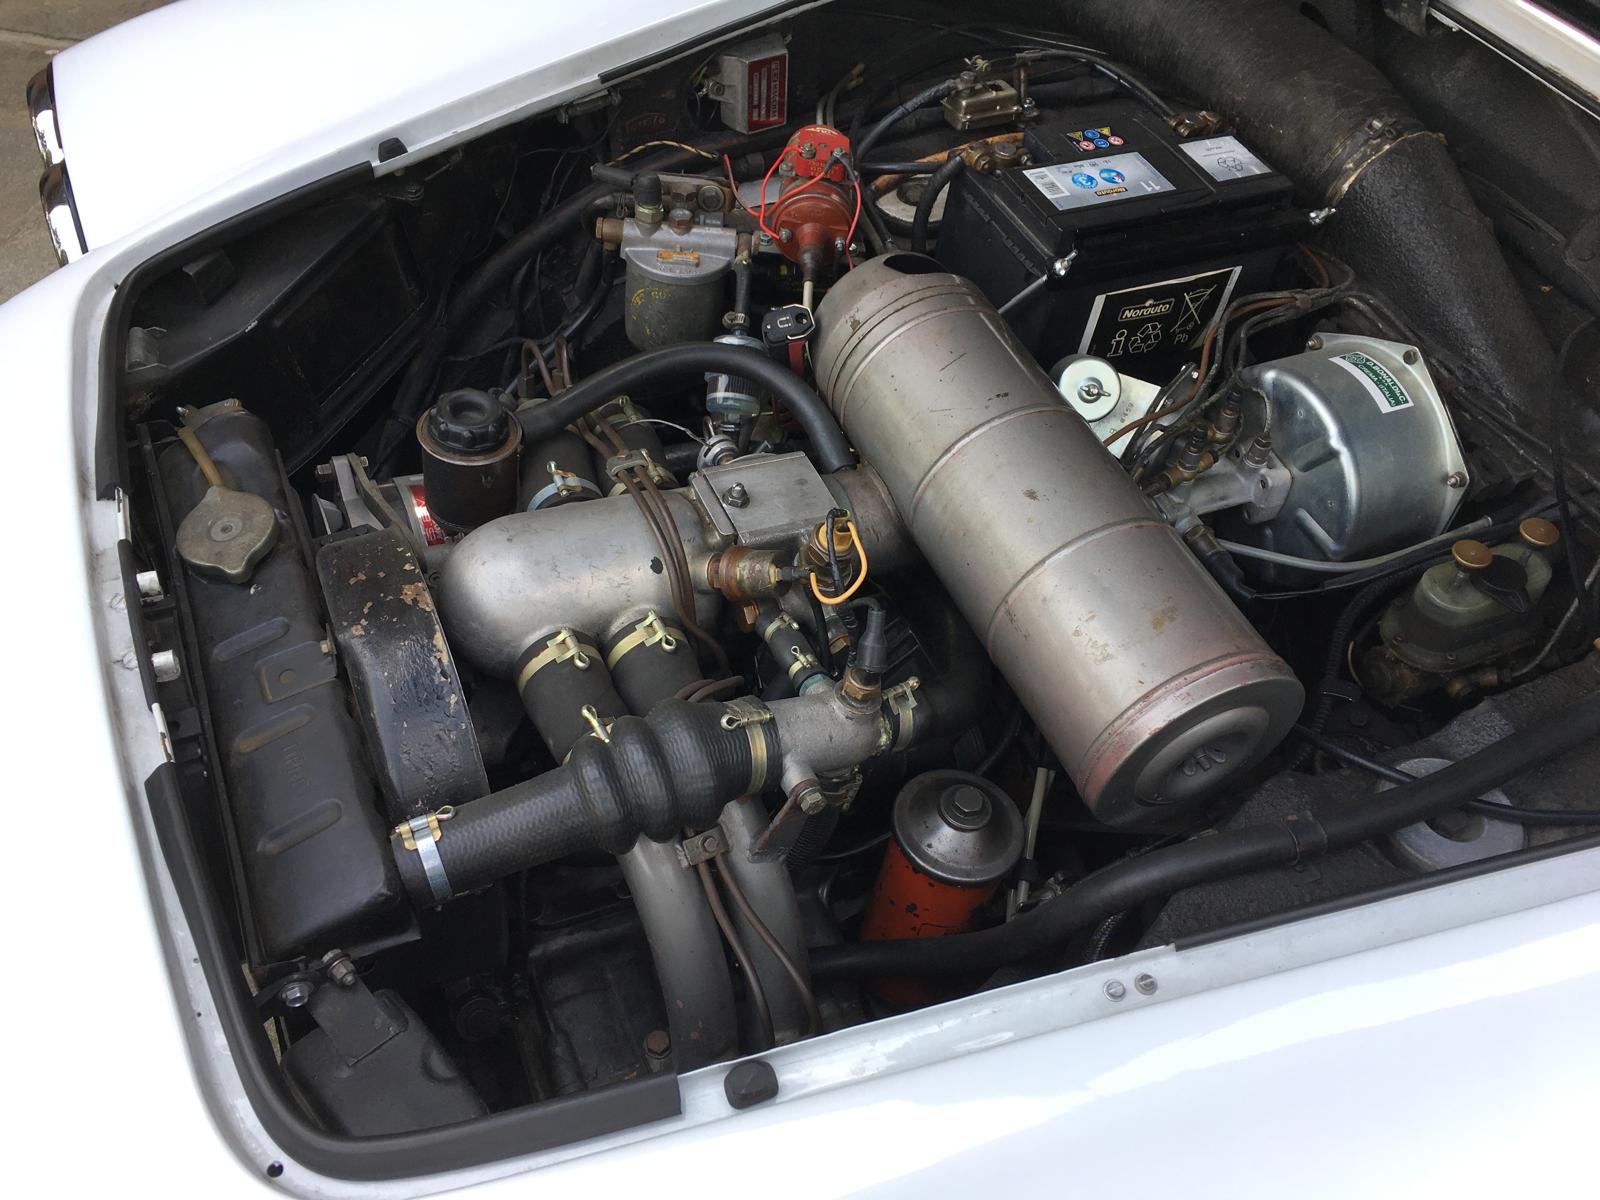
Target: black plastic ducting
column 1329, row 119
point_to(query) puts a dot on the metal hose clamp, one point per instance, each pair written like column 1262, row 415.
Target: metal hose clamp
column 427, row 850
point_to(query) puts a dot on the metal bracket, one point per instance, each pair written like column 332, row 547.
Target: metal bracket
column 702, row 847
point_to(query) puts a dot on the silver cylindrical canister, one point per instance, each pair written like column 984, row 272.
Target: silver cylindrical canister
column 1149, row 684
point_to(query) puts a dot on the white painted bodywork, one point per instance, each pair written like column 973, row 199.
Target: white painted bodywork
column 1436, row 1043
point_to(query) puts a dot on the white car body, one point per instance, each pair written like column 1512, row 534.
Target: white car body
column 1438, row 1042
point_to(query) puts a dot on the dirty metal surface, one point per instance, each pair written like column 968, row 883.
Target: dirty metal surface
column 408, row 690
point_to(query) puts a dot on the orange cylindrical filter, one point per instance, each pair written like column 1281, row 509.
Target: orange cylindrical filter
column 956, row 836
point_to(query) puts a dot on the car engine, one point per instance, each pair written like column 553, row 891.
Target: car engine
column 877, row 507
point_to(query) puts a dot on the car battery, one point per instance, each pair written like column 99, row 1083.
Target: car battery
column 1161, row 232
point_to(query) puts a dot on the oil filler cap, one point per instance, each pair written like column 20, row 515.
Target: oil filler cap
column 469, row 422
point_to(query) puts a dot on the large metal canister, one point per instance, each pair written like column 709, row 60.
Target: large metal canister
column 1149, row 684
column 956, row 836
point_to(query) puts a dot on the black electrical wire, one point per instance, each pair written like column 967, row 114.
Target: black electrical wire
column 942, row 178
column 1299, row 837
column 1487, row 808
column 1008, row 735
column 849, row 852
column 900, row 112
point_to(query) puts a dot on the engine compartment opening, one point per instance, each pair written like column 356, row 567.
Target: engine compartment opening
column 820, row 527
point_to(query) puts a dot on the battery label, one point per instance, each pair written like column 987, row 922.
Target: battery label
column 1153, row 317
column 1376, row 379
column 1225, row 158
column 1098, row 180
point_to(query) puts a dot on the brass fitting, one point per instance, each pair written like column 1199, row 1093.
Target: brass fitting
column 742, row 574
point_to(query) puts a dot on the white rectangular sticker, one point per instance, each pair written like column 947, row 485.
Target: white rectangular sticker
column 1376, row 378
column 1225, row 158
column 1098, row 180
column 1151, row 317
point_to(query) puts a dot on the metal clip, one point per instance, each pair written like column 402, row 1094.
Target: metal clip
column 803, row 661
column 564, row 646
column 749, row 714
column 651, row 631
column 901, row 700
column 702, row 847
column 597, row 728
column 426, row 849
column 746, row 710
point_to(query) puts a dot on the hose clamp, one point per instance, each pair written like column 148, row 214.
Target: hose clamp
column 412, row 837
column 749, row 714
column 564, row 646
column 901, row 700
column 649, row 632
column 563, row 484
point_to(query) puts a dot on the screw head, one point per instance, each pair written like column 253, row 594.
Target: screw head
column 1313, row 343
column 657, row 1044
column 296, row 994
column 736, row 496
column 1456, row 479
column 1115, row 989
column 1146, row 984
column 1091, row 390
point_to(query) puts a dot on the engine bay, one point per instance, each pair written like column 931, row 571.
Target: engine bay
column 878, row 507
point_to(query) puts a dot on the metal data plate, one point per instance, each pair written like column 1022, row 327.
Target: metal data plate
column 763, row 500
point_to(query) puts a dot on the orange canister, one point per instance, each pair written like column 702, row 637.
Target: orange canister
column 956, row 836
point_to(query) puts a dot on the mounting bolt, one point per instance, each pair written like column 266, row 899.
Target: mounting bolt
column 657, row 1050
column 786, row 235
column 342, row 972
column 295, row 994
column 736, row 496
column 1313, row 343
column 1456, row 479
column 1146, row 984
column 1091, row 390
column 1115, row 990
column 1061, row 266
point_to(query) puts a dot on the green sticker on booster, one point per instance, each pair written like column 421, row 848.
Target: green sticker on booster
column 1376, row 378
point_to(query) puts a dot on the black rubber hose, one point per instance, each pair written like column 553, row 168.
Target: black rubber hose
column 899, row 113
column 1331, row 120
column 942, row 178
column 691, row 361
column 655, row 775
column 1486, row 808
column 474, row 294
column 1286, row 841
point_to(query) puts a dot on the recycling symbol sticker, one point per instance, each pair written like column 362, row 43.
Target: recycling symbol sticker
column 1156, row 323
